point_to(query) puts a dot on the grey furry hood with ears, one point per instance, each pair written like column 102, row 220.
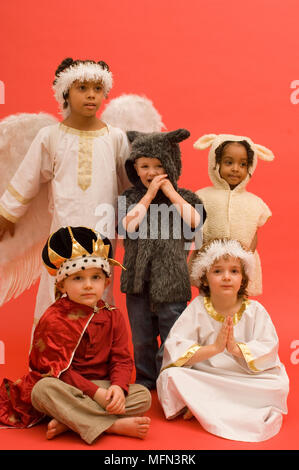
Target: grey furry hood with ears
column 161, row 145
column 149, row 255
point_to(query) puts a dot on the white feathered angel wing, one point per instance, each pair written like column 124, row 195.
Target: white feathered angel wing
column 133, row 113
column 20, row 255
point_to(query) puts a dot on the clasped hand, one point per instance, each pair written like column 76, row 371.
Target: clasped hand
column 160, row 182
column 111, row 399
column 225, row 338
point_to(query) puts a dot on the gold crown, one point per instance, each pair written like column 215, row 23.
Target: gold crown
column 99, row 249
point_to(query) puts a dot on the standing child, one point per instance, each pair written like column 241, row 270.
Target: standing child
column 221, row 356
column 158, row 214
column 80, row 361
column 232, row 211
column 81, row 160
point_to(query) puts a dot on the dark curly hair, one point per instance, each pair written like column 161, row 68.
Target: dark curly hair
column 250, row 153
column 68, row 62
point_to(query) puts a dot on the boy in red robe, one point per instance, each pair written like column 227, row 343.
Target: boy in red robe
column 80, row 364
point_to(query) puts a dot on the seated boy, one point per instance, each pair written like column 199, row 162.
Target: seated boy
column 80, row 362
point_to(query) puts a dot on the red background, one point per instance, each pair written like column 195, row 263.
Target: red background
column 209, row 66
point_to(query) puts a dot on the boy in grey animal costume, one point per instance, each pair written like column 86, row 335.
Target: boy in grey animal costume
column 159, row 220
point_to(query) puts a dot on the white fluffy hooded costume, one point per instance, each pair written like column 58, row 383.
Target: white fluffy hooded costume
column 233, row 213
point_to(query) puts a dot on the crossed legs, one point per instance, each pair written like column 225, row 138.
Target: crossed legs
column 71, row 409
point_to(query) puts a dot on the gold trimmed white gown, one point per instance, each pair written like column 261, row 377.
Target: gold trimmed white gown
column 242, row 399
column 86, row 170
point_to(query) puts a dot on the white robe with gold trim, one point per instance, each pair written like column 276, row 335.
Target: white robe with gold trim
column 236, row 398
column 86, row 170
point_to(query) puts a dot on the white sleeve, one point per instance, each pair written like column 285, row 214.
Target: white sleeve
column 122, row 154
column 182, row 341
column 36, row 168
column 261, row 351
column 265, row 214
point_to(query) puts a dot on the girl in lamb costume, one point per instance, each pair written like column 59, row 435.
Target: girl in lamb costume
column 232, row 211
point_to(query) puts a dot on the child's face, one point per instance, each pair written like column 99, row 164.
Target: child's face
column 147, row 168
column 225, row 277
column 85, row 287
column 85, row 98
column 234, row 164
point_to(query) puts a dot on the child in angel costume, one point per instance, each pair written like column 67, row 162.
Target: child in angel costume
column 80, row 364
column 221, row 356
column 232, row 211
column 159, row 219
column 71, row 170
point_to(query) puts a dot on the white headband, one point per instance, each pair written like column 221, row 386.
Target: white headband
column 87, row 71
column 218, row 248
column 71, row 266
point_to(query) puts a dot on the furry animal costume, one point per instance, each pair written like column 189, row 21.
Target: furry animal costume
column 233, row 213
column 160, row 261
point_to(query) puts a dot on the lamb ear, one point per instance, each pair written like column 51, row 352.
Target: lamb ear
column 205, row 141
column 177, row 135
column 132, row 135
column 264, row 153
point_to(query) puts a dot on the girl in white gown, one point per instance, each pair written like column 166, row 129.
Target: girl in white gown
column 221, row 356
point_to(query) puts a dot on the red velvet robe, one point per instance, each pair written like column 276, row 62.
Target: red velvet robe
column 56, row 338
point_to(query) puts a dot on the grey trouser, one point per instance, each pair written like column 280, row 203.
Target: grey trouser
column 146, row 326
column 81, row 413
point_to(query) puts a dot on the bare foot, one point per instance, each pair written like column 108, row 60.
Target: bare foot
column 188, row 414
column 133, row 427
column 55, row 428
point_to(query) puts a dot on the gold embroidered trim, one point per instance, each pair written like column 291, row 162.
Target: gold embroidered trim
column 85, row 153
column 109, row 307
column 248, row 356
column 218, row 317
column 8, row 216
column 89, row 134
column 185, row 358
column 17, row 195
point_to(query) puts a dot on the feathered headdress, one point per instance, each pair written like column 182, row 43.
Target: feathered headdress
column 83, row 71
column 207, row 255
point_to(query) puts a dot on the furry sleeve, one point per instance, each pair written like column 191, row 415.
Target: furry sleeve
column 194, row 200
